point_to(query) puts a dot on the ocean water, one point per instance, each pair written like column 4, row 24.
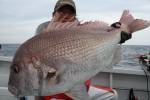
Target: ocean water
column 8, row 49
column 129, row 53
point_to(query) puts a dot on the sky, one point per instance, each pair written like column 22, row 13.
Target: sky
column 20, row 18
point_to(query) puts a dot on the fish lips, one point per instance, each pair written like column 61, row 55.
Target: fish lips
column 18, row 93
column 13, row 90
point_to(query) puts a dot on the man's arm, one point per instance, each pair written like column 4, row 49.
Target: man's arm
column 124, row 35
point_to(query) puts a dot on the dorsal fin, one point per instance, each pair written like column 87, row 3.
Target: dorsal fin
column 86, row 25
column 59, row 25
column 90, row 25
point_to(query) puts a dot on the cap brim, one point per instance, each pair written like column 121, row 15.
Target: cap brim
column 64, row 4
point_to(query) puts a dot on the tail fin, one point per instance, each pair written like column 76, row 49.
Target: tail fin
column 138, row 24
column 131, row 24
column 126, row 18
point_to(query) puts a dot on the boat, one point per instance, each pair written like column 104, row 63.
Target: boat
column 122, row 79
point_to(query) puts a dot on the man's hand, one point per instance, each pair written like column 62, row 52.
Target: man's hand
column 124, row 35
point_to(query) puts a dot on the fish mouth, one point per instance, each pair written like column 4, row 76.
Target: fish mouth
column 13, row 90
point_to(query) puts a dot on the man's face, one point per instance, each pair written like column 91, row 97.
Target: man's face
column 64, row 14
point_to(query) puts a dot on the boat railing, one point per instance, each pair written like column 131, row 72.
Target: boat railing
column 118, row 77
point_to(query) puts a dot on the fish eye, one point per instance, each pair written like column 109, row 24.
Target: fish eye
column 51, row 73
column 16, row 69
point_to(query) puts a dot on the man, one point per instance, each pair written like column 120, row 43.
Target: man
column 65, row 11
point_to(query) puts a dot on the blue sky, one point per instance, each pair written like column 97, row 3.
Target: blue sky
column 20, row 18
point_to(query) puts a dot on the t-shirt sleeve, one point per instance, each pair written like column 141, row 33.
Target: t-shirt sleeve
column 41, row 27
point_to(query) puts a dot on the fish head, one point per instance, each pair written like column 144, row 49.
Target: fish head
column 24, row 78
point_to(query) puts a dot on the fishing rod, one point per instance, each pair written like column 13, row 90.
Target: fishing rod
column 144, row 61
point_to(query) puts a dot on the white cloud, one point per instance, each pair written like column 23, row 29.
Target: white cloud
column 19, row 31
column 19, row 18
column 140, row 38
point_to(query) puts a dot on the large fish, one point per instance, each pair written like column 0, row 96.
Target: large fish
column 59, row 60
